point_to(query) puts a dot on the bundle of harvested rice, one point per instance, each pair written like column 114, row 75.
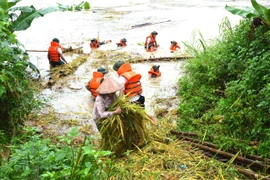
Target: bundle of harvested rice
column 126, row 131
column 66, row 69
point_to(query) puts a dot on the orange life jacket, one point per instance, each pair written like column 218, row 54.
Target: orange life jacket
column 174, row 47
column 152, row 41
column 95, row 82
column 133, row 85
column 95, row 45
column 152, row 71
column 121, row 44
column 53, row 52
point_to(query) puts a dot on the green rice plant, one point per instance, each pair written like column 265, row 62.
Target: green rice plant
column 126, row 131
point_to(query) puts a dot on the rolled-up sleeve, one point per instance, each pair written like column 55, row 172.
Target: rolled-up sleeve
column 101, row 109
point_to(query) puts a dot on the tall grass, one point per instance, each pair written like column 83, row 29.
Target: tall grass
column 229, row 79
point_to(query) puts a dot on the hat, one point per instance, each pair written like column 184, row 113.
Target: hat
column 56, row 40
column 174, row 42
column 117, row 65
column 94, row 39
column 102, row 70
column 154, row 32
column 124, row 40
column 156, row 67
column 109, row 85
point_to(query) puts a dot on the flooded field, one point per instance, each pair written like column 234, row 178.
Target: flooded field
column 68, row 102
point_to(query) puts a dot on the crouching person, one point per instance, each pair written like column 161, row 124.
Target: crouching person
column 154, row 71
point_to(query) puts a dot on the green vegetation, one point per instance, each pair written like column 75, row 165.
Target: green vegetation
column 258, row 11
column 21, row 17
column 35, row 157
column 226, row 91
column 16, row 95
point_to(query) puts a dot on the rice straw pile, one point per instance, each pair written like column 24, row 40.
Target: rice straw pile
column 165, row 157
column 66, row 69
column 126, row 131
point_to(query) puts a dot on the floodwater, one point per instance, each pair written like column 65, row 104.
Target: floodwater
column 107, row 19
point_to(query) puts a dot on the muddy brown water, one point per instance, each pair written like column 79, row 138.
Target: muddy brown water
column 107, row 19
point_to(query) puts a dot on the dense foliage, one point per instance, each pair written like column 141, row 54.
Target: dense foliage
column 16, row 95
column 69, row 158
column 226, row 91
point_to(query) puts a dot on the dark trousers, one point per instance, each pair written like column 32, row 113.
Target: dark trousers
column 140, row 101
column 54, row 64
column 150, row 45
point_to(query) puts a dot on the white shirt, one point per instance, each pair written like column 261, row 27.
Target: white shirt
column 123, row 81
column 59, row 50
column 148, row 40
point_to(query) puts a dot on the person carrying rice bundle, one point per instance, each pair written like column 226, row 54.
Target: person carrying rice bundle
column 106, row 96
column 127, row 130
column 122, row 124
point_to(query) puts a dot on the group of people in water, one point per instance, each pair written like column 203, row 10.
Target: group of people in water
column 103, row 88
column 55, row 51
column 150, row 44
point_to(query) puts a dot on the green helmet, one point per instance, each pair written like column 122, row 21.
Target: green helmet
column 102, row 70
column 156, row 67
column 154, row 32
column 56, row 40
column 117, row 65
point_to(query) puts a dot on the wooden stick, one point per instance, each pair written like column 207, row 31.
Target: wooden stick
column 36, row 50
column 161, row 59
column 252, row 157
column 241, row 159
column 212, row 137
column 147, row 24
column 68, row 50
column 245, row 172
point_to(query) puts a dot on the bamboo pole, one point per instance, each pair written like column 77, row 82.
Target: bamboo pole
column 211, row 137
column 241, row 159
column 36, row 50
column 66, row 49
column 161, row 59
column 246, row 172
column 148, row 24
column 253, row 157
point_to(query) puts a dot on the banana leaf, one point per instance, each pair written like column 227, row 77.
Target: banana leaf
column 4, row 4
column 28, row 14
column 257, row 11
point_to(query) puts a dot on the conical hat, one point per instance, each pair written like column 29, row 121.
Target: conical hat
column 109, row 85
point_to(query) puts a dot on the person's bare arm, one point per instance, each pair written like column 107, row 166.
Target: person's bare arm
column 63, row 58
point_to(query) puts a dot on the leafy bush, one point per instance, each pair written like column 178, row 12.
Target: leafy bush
column 16, row 95
column 226, row 89
column 39, row 158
